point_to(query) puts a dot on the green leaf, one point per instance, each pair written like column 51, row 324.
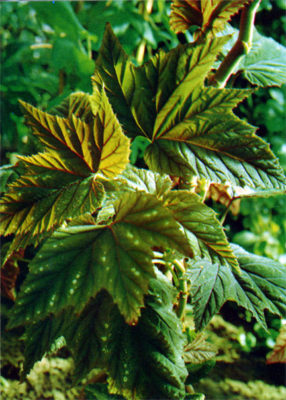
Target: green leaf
column 210, row 142
column 265, row 65
column 86, row 335
column 260, row 285
column 117, row 73
column 134, row 356
column 68, row 57
column 199, row 221
column 82, row 260
column 195, row 396
column 60, row 16
column 199, row 350
column 192, row 129
column 199, row 371
column 210, row 286
column 208, row 15
column 98, row 391
column 7, row 174
column 40, row 336
column 130, row 89
column 146, row 360
column 144, row 180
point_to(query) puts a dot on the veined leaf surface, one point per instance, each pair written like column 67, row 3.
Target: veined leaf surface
column 208, row 15
column 46, row 196
column 199, row 350
column 208, row 141
column 117, row 73
column 79, row 261
column 192, row 129
column 200, row 222
column 260, row 285
column 98, row 337
column 63, row 182
column 77, row 104
column 265, row 65
column 130, row 89
column 146, row 360
column 147, row 181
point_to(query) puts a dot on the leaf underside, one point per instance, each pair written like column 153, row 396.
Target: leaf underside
column 261, row 285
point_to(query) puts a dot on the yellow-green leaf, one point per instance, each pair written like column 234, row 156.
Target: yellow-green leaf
column 208, row 15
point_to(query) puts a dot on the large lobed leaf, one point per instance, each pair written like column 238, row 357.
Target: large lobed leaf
column 202, row 229
column 261, row 285
column 207, row 15
column 78, row 261
column 191, row 128
column 146, row 360
column 142, row 361
column 65, row 180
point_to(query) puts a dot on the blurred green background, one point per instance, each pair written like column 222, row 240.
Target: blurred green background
column 48, row 50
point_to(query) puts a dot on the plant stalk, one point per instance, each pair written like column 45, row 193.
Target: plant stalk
column 183, row 289
column 241, row 47
column 145, row 8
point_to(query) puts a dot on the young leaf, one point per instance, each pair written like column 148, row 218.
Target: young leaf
column 130, row 89
column 63, row 182
column 180, row 72
column 208, row 15
column 199, row 350
column 47, row 195
column 260, row 285
column 98, row 146
column 146, row 360
column 117, row 73
column 82, row 260
column 200, row 223
column 77, row 104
